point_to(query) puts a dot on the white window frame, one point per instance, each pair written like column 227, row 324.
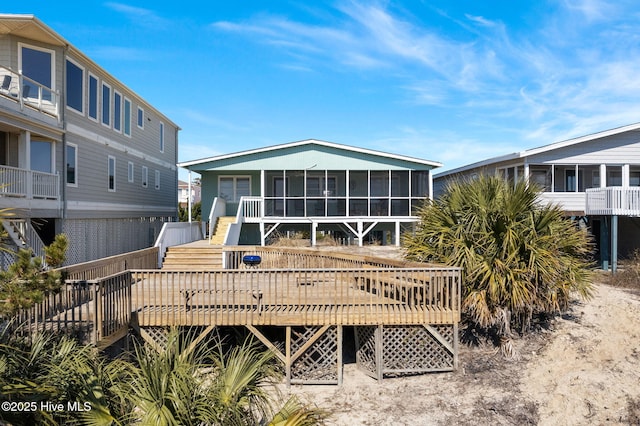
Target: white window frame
column 140, row 117
column 235, row 178
column 130, row 172
column 161, row 137
column 115, row 95
column 126, row 117
column 108, row 103
column 84, row 78
column 41, row 49
column 110, row 159
column 157, row 179
column 145, row 176
column 75, row 166
column 97, row 99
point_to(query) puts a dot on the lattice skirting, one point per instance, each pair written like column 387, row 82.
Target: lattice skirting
column 397, row 350
column 316, row 361
column 91, row 239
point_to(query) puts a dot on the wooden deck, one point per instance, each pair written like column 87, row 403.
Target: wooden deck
column 303, row 297
column 405, row 315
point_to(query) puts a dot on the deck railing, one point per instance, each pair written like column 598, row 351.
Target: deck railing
column 613, row 201
column 139, row 259
column 99, row 309
column 26, row 91
column 29, row 183
column 363, row 296
column 282, row 257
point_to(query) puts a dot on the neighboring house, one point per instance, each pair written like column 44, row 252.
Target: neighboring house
column 594, row 177
column 312, row 186
column 80, row 153
column 183, row 193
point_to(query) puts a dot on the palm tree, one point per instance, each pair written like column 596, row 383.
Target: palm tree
column 519, row 257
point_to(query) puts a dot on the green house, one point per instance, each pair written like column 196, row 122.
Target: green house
column 311, row 186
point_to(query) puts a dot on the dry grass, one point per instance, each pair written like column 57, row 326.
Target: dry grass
column 627, row 275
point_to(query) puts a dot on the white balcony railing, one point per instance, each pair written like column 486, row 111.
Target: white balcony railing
column 615, row 200
column 252, row 208
column 30, row 184
column 28, row 92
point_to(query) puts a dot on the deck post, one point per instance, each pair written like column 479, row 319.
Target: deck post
column 379, row 353
column 287, row 355
column 614, row 243
column 339, row 355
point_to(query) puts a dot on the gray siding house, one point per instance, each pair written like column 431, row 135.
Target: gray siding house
column 594, row 178
column 311, row 186
column 80, row 153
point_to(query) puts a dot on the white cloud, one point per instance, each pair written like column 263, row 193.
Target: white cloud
column 140, row 16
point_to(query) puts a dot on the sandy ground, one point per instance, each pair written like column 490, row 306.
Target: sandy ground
column 584, row 370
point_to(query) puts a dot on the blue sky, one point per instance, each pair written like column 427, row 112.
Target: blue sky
column 449, row 81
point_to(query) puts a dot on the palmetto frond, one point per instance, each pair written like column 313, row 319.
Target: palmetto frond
column 517, row 255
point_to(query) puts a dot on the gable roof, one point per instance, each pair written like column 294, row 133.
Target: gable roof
column 308, row 144
column 542, row 149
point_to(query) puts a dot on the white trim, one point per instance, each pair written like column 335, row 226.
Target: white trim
column 125, row 116
column 131, row 172
column 434, row 164
column 66, row 87
column 111, row 143
column 541, row 149
column 41, row 49
column 236, row 199
column 98, row 206
column 116, row 93
column 115, row 169
column 138, row 120
column 74, row 185
column 97, row 117
column 157, row 179
column 145, row 176
column 102, row 87
column 161, row 132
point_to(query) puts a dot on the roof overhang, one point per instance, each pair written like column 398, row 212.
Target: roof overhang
column 541, row 149
column 28, row 26
column 190, row 164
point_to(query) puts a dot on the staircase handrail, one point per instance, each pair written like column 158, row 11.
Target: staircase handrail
column 218, row 209
column 176, row 233
column 24, row 235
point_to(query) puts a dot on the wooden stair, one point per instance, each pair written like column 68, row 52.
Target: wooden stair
column 181, row 258
column 220, row 231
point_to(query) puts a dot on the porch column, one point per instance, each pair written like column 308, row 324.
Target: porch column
column 603, row 175
column 614, row 243
column 360, row 226
column 314, row 229
column 262, row 236
column 189, row 192
column 397, row 239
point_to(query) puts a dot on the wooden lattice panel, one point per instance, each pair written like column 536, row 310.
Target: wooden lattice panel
column 414, row 349
column 157, row 337
column 319, row 362
column 366, row 349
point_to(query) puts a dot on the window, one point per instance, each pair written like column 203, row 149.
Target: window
column 161, row 136
column 140, row 118
column 41, row 156
column 93, row 97
column 157, row 179
column 117, row 111
column 232, row 188
column 72, row 164
column 74, row 86
column 37, row 64
column 106, row 104
column 145, row 176
column 614, row 175
column 127, row 117
column 570, row 180
column 634, row 176
column 112, row 173
column 130, row 172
